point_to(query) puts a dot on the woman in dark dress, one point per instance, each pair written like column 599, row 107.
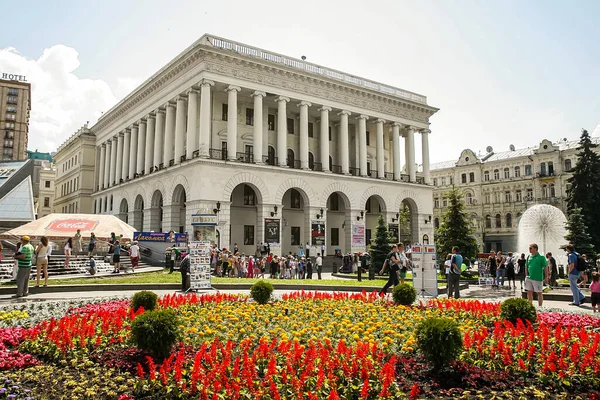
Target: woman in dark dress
column 492, row 265
column 520, row 271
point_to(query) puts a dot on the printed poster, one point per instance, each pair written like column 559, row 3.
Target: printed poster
column 272, row 230
column 358, row 235
column 318, row 233
column 200, row 265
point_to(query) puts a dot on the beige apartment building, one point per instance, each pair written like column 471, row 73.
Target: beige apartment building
column 74, row 161
column 45, row 201
column 15, row 105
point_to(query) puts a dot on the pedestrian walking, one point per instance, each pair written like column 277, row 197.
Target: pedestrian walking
column 134, row 255
column 510, row 271
column 68, row 248
column 553, row 269
column 392, row 263
column 23, row 257
column 574, row 273
column 537, row 274
column 492, row 265
column 454, row 273
column 117, row 257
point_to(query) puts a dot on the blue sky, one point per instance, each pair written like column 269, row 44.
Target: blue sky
column 502, row 72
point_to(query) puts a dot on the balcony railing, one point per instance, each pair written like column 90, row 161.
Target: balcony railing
column 354, row 171
column 269, row 160
column 372, row 174
column 196, row 154
column 336, row 169
column 217, row 154
column 295, row 164
column 247, row 158
column 317, row 166
column 171, row 162
column 389, row 176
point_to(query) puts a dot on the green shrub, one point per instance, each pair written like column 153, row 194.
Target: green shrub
column 440, row 341
column 144, row 299
column 261, row 292
column 156, row 332
column 513, row 309
column 404, row 294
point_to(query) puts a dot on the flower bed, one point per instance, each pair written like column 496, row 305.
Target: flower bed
column 306, row 346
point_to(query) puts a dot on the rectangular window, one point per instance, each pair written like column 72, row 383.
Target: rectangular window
column 223, row 150
column 335, row 236
column 224, row 112
column 8, row 142
column 11, row 109
column 9, row 125
column 250, row 116
column 311, row 129
column 290, row 126
column 434, row 181
column 507, row 197
column 486, row 176
column 529, row 194
column 443, row 181
column 271, row 122
column 436, row 203
column 295, row 236
column 519, row 195
column 517, row 172
column 13, row 91
column 368, row 138
column 46, row 184
column 329, row 133
column 249, row 199
column 12, row 100
column 488, row 198
column 7, row 153
column 11, row 117
column 471, row 177
column 248, row 235
column 46, row 201
column 528, row 170
column 445, row 203
column 463, row 178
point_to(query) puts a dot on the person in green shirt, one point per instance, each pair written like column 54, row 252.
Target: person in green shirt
column 536, row 266
column 24, row 256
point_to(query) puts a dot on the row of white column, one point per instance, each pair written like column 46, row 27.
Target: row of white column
column 161, row 138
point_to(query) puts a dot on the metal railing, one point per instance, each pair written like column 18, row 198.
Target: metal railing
column 372, row 174
column 217, row 154
column 183, row 158
column 317, row 166
column 269, row 160
column 196, row 154
column 171, row 162
column 336, row 169
column 404, row 178
column 389, row 176
column 354, row 171
column 245, row 157
column 250, row 51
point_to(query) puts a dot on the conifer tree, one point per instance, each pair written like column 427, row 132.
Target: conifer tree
column 584, row 187
column 577, row 233
column 381, row 246
column 455, row 229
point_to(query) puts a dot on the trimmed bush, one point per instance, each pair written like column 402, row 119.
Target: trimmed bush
column 404, row 294
column 156, row 332
column 514, row 309
column 440, row 341
column 145, row 299
column 261, row 292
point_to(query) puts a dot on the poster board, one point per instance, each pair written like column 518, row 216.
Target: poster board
column 272, row 230
column 317, row 233
column 424, row 270
column 358, row 235
column 200, row 265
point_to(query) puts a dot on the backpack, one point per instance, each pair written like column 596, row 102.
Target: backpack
column 581, row 264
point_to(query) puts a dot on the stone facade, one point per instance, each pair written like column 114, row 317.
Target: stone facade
column 500, row 186
column 251, row 135
column 45, row 202
column 15, row 105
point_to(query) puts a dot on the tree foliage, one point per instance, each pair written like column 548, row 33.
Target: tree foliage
column 404, row 222
column 455, row 229
column 577, row 233
column 583, row 190
column 381, row 246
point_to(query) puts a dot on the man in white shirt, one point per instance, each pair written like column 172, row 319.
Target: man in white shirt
column 319, row 264
column 307, row 248
column 134, row 255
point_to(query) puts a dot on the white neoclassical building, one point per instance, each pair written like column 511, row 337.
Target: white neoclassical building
column 263, row 139
column 500, row 185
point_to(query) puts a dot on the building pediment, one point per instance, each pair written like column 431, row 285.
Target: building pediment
column 467, row 157
column 546, row 146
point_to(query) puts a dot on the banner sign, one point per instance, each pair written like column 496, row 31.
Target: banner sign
column 318, row 233
column 71, row 225
column 204, row 219
column 160, row 237
column 200, row 265
column 358, row 235
column 272, row 230
column 424, row 270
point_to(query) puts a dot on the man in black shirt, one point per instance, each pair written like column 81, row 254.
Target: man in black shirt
column 393, row 263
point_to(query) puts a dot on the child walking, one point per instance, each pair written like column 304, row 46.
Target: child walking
column 595, row 288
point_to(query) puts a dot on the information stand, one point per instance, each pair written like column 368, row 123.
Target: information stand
column 424, row 270
column 200, row 265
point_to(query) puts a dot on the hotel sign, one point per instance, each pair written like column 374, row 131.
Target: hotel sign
column 13, row 77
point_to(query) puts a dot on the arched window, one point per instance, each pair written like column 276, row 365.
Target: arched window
column 509, row 220
column 463, row 178
column 498, row 221
column 568, row 165
column 111, row 202
column 311, row 160
column 436, row 223
column 472, row 177
column 271, row 156
column 488, row 221
column 486, row 176
column 517, row 172
column 330, row 163
column 552, row 191
column 290, row 158
column 496, row 174
column 506, row 173
column 469, row 198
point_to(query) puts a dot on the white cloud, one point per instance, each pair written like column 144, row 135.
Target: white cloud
column 61, row 101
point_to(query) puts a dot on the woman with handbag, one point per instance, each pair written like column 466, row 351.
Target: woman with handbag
column 41, row 260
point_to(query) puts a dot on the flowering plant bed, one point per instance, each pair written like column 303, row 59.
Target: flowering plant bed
column 305, row 346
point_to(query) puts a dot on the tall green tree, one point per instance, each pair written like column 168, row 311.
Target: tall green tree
column 456, row 229
column 381, row 245
column 577, row 233
column 583, row 190
column 404, row 221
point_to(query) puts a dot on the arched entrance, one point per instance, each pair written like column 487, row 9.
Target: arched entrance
column 156, row 212
column 295, row 221
column 124, row 211
column 178, row 214
column 408, row 225
column 245, row 200
column 374, row 207
column 338, row 212
column 138, row 213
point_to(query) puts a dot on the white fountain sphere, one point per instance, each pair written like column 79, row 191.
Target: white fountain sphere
column 544, row 225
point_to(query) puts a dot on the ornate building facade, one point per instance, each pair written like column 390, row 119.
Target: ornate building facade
column 499, row 186
column 282, row 150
